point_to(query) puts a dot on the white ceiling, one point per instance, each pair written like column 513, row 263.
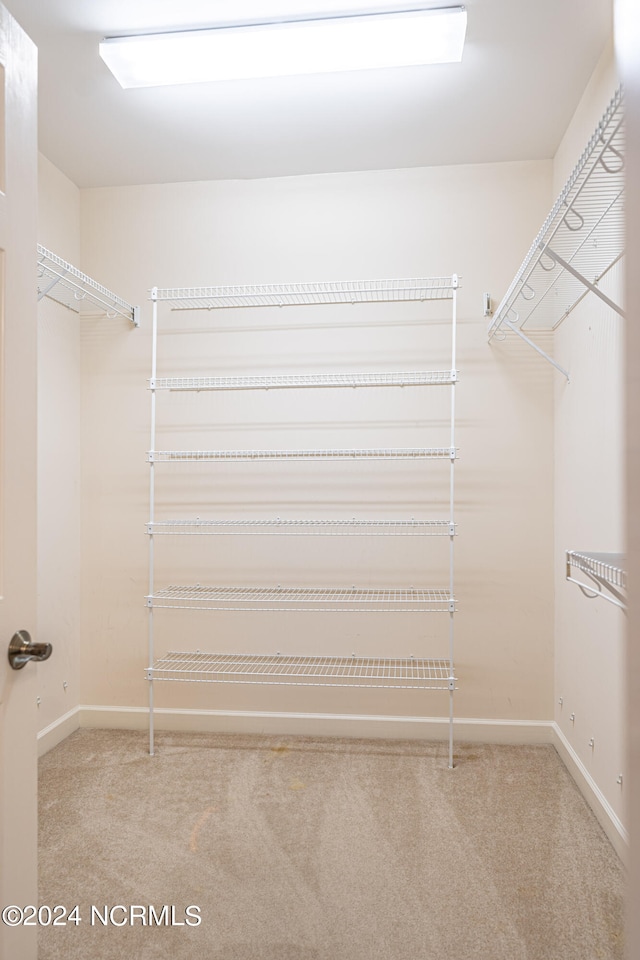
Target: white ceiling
column 525, row 65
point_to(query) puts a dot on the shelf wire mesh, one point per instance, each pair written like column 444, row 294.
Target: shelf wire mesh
column 401, row 673
column 60, row 281
column 413, row 379
column 380, row 599
column 290, row 294
column 608, row 568
column 302, row 527
column 384, row 453
column 585, row 228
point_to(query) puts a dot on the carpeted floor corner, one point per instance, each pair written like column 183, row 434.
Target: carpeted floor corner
column 320, row 849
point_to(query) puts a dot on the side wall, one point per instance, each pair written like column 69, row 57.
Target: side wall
column 476, row 221
column 589, row 503
column 58, row 470
column 627, row 43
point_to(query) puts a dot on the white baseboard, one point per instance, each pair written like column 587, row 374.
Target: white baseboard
column 58, row 731
column 604, row 812
column 467, row 729
column 319, row 724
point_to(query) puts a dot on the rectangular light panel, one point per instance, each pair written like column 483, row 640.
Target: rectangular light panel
column 364, row 42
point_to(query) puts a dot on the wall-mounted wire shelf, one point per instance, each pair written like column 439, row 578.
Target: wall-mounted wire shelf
column 579, row 242
column 325, row 599
column 606, row 573
column 291, row 527
column 196, row 384
column 384, row 453
column 60, row 281
column 302, row 294
column 402, row 673
column 395, row 673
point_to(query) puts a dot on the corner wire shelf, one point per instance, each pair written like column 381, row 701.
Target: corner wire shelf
column 401, row 673
column 607, row 574
column 303, row 294
column 60, row 281
column 431, row 674
column 384, row 453
column 578, row 244
column 197, row 527
column 304, row 599
column 196, row 384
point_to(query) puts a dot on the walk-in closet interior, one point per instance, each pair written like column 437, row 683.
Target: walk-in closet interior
column 332, row 409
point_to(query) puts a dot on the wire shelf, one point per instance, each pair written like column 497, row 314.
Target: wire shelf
column 59, row 281
column 385, row 453
column 428, row 528
column 399, row 600
column 405, row 673
column 300, row 294
column 429, row 378
column 606, row 571
column 581, row 239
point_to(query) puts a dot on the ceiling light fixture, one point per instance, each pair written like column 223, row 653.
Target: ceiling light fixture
column 362, row 42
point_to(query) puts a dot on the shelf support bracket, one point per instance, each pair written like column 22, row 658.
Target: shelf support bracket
column 583, row 280
column 516, row 329
column 610, row 593
column 43, row 293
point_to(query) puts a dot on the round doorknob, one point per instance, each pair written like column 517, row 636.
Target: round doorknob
column 21, row 650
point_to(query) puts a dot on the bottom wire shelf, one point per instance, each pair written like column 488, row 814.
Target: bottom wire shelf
column 401, row 673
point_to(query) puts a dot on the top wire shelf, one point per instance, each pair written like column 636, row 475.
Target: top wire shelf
column 579, row 242
column 412, row 379
column 60, row 281
column 300, row 294
column 302, row 527
column 606, row 571
column 383, row 453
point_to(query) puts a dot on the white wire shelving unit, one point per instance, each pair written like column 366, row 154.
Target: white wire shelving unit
column 605, row 573
column 199, row 666
column 60, row 281
column 577, row 245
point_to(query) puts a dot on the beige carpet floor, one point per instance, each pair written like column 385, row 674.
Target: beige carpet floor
column 321, row 849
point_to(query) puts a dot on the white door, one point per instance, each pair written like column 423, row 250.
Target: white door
column 18, row 232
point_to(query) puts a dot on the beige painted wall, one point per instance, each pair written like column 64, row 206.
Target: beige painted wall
column 58, row 459
column 589, row 498
column 476, row 221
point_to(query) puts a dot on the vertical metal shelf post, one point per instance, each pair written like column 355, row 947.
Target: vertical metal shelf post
column 154, row 369
column 454, row 317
